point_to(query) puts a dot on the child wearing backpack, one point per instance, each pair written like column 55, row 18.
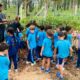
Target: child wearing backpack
column 12, row 41
column 4, row 61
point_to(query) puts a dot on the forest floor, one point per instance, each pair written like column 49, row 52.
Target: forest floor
column 28, row 72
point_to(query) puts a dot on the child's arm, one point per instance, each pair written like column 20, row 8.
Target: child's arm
column 41, row 51
column 71, row 50
column 28, row 44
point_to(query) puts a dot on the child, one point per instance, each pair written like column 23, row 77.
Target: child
column 31, row 41
column 40, row 37
column 64, row 48
column 4, row 61
column 12, row 41
column 47, row 52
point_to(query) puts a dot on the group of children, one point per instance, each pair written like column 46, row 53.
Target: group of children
column 42, row 43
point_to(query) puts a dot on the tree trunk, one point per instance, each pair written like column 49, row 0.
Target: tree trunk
column 75, row 6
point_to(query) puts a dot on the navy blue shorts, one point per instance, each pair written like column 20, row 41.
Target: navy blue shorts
column 45, row 57
column 60, row 61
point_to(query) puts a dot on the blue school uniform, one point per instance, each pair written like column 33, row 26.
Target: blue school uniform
column 47, row 44
column 35, row 31
column 4, row 66
column 63, row 47
column 12, row 41
column 69, row 37
column 55, row 38
column 41, row 36
column 32, row 40
column 32, row 45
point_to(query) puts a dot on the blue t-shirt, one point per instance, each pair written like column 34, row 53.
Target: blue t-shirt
column 4, row 66
column 69, row 37
column 32, row 40
column 35, row 31
column 47, row 44
column 41, row 36
column 13, row 43
column 55, row 38
column 63, row 47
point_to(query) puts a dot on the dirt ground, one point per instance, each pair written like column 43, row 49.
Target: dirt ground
column 28, row 72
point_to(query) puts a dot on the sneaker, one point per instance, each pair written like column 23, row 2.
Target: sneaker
column 53, row 62
column 58, row 74
column 42, row 68
column 47, row 71
column 32, row 64
column 27, row 62
column 61, row 78
column 16, row 70
column 63, row 68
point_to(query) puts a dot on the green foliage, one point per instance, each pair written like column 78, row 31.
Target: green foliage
column 51, row 19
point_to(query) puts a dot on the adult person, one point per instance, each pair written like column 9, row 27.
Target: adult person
column 3, row 21
column 16, row 25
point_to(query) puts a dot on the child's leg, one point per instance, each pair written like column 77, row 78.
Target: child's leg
column 43, row 62
column 28, row 56
column 10, row 58
column 78, row 61
column 15, row 61
column 48, row 64
column 37, row 52
column 61, row 67
column 32, row 51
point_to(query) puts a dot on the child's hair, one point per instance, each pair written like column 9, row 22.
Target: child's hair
column 32, row 27
column 68, row 28
column 62, row 28
column 3, row 47
column 41, row 27
column 10, row 30
column 32, row 22
column 65, row 34
column 61, row 34
column 49, row 32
